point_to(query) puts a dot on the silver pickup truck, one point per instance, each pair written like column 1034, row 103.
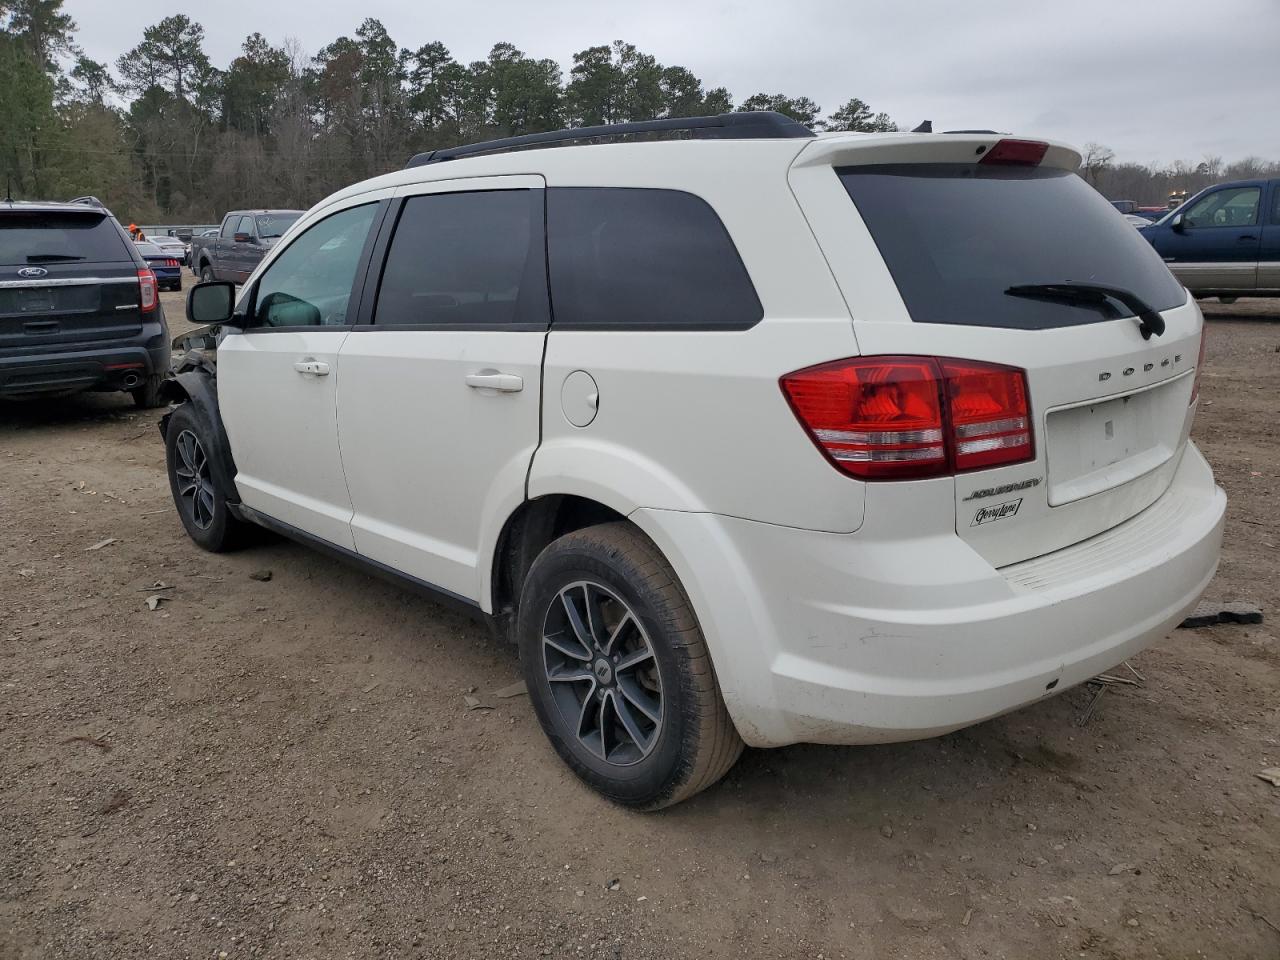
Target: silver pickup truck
column 240, row 243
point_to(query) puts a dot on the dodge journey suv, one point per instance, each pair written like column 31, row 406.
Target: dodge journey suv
column 747, row 437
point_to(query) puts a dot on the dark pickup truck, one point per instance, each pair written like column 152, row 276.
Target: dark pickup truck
column 240, row 243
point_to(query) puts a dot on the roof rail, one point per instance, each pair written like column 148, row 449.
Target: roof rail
column 746, row 125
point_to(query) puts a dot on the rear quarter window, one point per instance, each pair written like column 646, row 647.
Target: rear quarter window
column 957, row 236
column 35, row 238
column 622, row 257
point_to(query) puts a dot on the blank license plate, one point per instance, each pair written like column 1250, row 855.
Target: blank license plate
column 33, row 301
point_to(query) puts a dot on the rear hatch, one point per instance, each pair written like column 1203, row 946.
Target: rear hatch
column 942, row 254
column 66, row 277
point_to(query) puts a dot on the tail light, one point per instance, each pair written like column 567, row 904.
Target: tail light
column 1195, row 384
column 887, row 418
column 171, row 263
column 147, row 289
column 1017, row 153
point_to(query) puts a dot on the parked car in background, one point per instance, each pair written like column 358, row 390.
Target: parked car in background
column 1125, row 206
column 1224, row 241
column 78, row 305
column 165, row 263
column 239, row 245
column 1137, row 220
column 171, row 245
column 764, row 438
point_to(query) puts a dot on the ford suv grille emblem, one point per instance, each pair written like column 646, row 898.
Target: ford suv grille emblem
column 31, row 273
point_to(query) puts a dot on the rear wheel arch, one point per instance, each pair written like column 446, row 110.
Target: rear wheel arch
column 527, row 532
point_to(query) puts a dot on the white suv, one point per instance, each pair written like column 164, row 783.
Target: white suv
column 751, row 437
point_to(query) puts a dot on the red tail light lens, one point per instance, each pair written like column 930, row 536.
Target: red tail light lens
column 147, row 290
column 884, row 418
column 1018, row 153
column 988, row 408
column 171, row 263
column 1195, row 384
column 875, row 418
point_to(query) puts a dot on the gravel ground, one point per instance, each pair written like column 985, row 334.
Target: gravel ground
column 287, row 767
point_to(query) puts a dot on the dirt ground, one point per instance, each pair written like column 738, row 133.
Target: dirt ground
column 287, row 768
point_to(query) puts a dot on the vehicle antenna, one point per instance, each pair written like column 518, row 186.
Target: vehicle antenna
column 926, row 126
column 8, row 189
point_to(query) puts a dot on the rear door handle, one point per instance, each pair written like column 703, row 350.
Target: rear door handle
column 314, row 368
column 1248, row 237
column 493, row 380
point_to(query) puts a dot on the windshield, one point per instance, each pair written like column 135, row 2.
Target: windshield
column 957, row 236
column 29, row 237
column 275, row 224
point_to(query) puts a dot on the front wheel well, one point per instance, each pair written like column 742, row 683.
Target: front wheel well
column 526, row 534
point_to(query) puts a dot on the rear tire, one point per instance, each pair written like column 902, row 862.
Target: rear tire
column 201, row 503
column 618, row 670
column 147, row 396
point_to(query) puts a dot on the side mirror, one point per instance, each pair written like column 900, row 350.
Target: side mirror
column 211, row 302
column 1178, row 224
column 243, row 238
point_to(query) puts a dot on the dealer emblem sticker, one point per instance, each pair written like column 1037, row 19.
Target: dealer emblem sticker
column 998, row 511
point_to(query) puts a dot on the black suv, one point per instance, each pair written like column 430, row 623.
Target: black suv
column 79, row 308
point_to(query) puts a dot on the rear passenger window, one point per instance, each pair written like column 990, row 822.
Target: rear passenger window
column 626, row 257
column 470, row 260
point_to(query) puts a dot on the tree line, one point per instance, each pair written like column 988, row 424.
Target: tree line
column 1152, row 185
column 164, row 135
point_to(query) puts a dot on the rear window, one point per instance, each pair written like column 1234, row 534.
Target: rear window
column 33, row 238
column 957, row 236
column 625, row 257
column 275, row 224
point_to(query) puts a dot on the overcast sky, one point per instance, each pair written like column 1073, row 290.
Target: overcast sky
column 1156, row 80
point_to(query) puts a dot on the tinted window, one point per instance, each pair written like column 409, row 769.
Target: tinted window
column 229, row 227
column 58, row 237
column 309, row 284
column 1232, row 207
column 245, row 226
column 473, row 259
column 654, row 258
column 957, row 236
column 275, row 224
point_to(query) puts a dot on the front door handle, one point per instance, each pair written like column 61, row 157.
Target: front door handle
column 313, row 368
column 493, row 380
column 1247, row 238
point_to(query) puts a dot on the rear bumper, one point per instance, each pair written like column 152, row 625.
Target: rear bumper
column 837, row 638
column 79, row 366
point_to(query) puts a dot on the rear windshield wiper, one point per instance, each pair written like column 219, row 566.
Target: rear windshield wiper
column 46, row 257
column 1094, row 294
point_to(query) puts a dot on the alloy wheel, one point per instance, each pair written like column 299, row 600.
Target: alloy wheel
column 603, row 675
column 195, row 483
